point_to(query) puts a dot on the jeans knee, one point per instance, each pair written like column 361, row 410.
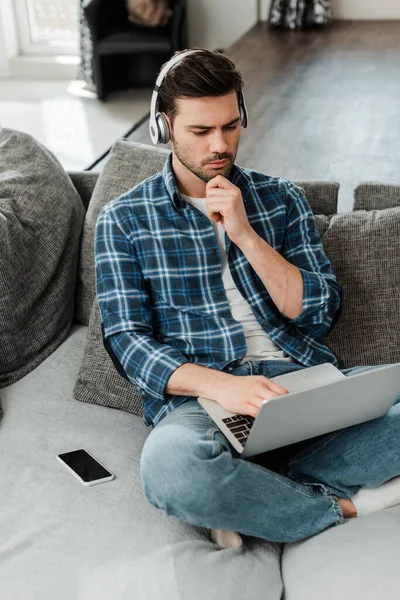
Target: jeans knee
column 174, row 469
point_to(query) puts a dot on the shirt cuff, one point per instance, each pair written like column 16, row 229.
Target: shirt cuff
column 316, row 294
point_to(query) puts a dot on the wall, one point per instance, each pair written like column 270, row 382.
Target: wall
column 355, row 9
column 366, row 9
column 218, row 24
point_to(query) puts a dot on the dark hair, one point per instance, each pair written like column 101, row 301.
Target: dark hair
column 198, row 75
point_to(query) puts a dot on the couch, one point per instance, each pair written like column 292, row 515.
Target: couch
column 62, row 540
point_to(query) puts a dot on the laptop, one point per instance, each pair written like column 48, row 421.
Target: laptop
column 320, row 399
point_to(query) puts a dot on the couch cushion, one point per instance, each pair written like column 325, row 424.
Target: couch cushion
column 369, row 196
column 322, row 196
column 357, row 560
column 41, row 218
column 98, row 380
column 62, row 540
column 364, row 250
column 128, row 164
column 84, row 183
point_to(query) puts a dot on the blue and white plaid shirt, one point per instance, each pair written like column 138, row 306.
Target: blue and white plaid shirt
column 160, row 291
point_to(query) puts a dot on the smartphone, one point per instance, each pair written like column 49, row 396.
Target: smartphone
column 85, row 467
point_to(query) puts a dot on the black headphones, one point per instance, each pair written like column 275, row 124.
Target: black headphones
column 158, row 125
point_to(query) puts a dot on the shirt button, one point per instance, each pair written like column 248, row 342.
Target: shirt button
column 299, row 348
column 240, row 355
column 214, row 252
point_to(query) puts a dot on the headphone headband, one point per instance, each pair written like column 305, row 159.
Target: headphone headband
column 158, row 125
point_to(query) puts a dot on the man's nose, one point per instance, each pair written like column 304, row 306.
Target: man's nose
column 218, row 143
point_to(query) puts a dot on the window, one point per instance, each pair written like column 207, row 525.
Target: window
column 48, row 26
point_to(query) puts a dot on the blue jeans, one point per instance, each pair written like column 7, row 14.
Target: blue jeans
column 190, row 470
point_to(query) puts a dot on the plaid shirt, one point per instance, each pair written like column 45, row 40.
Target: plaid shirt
column 160, row 291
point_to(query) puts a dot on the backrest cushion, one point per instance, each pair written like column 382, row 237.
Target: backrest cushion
column 41, row 219
column 128, row 164
column 322, row 196
column 364, row 250
column 369, row 196
column 84, row 183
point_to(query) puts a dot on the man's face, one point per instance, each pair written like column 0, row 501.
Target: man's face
column 206, row 130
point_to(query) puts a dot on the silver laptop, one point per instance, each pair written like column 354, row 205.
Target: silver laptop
column 320, row 399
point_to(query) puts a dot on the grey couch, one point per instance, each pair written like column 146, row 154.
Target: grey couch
column 61, row 540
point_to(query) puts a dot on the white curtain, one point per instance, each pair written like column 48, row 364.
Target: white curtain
column 85, row 70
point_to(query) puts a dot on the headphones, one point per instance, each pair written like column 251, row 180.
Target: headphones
column 158, row 124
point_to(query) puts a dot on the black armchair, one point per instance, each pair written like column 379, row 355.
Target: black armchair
column 126, row 55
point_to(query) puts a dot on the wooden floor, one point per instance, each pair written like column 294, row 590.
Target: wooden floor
column 323, row 104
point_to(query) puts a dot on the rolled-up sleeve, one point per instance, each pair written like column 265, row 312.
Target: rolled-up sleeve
column 123, row 298
column 303, row 248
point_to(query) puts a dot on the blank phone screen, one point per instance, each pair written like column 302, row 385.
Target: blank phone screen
column 84, row 465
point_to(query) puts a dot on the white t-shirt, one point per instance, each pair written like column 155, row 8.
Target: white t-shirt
column 259, row 344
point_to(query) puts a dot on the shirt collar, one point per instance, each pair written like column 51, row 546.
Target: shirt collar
column 237, row 176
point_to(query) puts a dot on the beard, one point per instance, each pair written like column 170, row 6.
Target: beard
column 203, row 171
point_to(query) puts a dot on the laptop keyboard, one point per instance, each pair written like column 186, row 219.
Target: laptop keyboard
column 240, row 426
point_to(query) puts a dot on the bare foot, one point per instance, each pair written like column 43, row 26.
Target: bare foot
column 226, row 539
column 347, row 507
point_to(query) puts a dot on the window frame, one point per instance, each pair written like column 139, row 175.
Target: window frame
column 28, row 46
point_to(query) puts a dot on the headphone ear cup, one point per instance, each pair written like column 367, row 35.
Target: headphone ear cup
column 163, row 128
column 242, row 111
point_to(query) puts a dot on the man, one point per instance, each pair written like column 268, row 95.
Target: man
column 211, row 279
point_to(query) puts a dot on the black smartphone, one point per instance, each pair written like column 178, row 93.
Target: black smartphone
column 85, row 467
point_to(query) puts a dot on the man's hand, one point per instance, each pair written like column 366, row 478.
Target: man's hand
column 225, row 206
column 246, row 394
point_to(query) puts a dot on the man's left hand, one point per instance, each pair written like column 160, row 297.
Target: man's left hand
column 225, row 205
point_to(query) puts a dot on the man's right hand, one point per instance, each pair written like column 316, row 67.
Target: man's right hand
column 240, row 394
column 245, row 394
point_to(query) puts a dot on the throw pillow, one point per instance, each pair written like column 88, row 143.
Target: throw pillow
column 41, row 219
column 129, row 164
column 98, row 380
column 364, row 249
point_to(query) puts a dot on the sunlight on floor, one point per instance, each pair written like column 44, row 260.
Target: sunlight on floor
column 67, row 117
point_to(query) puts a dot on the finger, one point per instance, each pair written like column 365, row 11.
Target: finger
column 268, row 396
column 219, row 192
column 275, row 387
column 217, row 211
column 215, row 217
column 219, row 181
column 251, row 410
column 258, row 402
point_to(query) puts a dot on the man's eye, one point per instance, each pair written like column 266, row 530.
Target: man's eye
column 231, row 128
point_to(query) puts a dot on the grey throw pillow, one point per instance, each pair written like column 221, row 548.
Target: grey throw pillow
column 98, row 380
column 364, row 249
column 128, row 165
column 41, row 219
